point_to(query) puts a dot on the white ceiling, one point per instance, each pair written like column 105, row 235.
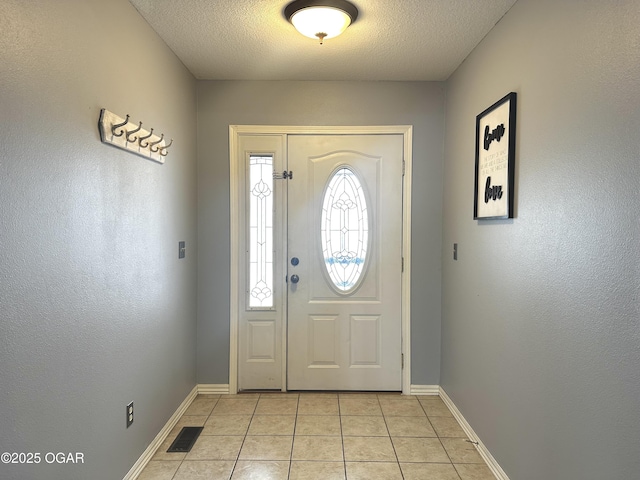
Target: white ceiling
column 407, row 40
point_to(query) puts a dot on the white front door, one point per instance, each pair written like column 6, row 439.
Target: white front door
column 344, row 251
column 319, row 299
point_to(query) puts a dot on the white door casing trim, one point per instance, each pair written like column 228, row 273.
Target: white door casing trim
column 234, row 174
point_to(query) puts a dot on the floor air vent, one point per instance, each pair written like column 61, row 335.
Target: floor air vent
column 185, row 439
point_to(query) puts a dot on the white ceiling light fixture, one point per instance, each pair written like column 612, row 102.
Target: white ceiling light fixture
column 321, row 18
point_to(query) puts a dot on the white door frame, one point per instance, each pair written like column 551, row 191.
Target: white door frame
column 234, row 174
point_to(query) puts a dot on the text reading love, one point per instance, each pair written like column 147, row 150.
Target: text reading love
column 492, row 193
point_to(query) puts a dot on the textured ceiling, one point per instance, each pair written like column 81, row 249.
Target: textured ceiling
column 391, row 39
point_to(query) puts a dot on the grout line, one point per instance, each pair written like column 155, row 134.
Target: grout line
column 344, row 456
column 235, row 464
column 183, row 415
column 384, row 419
column 293, row 437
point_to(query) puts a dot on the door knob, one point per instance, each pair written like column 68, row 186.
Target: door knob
column 295, row 261
column 295, row 278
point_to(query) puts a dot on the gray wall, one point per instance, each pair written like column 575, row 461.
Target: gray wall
column 540, row 329
column 317, row 103
column 96, row 310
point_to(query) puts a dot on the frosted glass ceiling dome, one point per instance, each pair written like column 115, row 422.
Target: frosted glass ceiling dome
column 321, row 18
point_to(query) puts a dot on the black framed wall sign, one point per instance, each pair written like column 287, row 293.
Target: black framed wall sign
column 495, row 160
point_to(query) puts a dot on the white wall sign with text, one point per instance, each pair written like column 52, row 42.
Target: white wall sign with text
column 495, row 160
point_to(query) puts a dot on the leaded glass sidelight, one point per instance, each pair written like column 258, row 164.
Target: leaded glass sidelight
column 344, row 229
column 260, row 198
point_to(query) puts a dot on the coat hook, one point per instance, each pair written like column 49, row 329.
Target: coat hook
column 144, row 138
column 163, row 150
column 114, row 127
column 133, row 139
column 155, row 150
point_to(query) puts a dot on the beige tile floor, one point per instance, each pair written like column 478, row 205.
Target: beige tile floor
column 320, row 436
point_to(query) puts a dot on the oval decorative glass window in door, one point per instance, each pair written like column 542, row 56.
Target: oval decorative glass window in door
column 344, row 229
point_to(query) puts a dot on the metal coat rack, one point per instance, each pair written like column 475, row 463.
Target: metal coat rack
column 122, row 133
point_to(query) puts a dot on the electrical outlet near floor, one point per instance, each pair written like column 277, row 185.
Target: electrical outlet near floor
column 129, row 414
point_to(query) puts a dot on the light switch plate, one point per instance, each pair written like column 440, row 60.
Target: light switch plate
column 129, row 414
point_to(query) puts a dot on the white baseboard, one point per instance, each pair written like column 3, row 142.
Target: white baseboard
column 424, row 390
column 200, row 389
column 161, row 437
column 493, row 465
column 213, row 389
